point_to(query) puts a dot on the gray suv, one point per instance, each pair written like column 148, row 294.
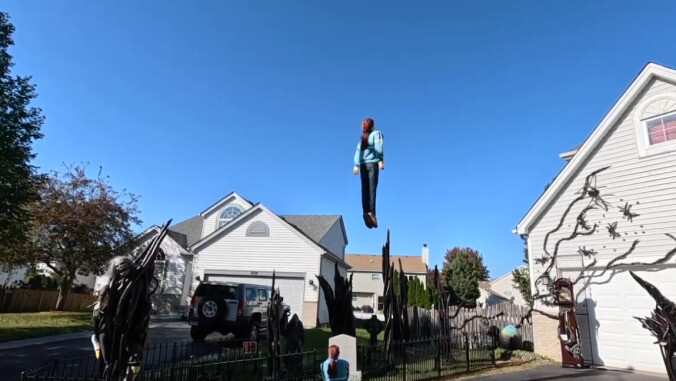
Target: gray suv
column 237, row 308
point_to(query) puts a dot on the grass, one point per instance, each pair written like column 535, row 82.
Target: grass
column 29, row 325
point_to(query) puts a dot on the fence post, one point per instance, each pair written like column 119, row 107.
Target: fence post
column 403, row 344
column 438, row 359
column 173, row 352
column 467, row 350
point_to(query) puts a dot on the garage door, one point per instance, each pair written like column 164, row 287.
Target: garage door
column 292, row 289
column 618, row 339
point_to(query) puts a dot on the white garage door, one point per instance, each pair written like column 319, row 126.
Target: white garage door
column 618, row 339
column 291, row 289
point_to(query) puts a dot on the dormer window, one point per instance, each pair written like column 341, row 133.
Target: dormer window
column 661, row 129
column 228, row 214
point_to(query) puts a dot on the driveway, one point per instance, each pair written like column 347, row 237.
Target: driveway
column 558, row 373
column 14, row 361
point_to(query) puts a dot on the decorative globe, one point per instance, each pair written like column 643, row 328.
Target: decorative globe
column 509, row 331
column 510, row 337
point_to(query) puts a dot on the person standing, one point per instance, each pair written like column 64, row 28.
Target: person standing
column 369, row 160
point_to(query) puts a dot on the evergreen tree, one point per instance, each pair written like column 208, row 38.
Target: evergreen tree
column 20, row 125
column 462, row 271
column 522, row 275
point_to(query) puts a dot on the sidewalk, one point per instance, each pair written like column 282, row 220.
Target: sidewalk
column 71, row 336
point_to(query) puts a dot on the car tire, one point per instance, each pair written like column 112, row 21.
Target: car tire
column 210, row 310
column 197, row 333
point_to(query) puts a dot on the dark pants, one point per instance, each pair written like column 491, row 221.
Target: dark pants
column 369, row 184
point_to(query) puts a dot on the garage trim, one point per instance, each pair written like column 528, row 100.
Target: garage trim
column 254, row 274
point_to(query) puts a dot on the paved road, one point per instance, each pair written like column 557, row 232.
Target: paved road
column 14, row 361
column 557, row 373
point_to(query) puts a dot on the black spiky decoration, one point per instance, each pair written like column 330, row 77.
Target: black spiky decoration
column 123, row 310
column 662, row 324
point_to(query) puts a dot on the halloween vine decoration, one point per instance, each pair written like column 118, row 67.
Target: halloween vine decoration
column 548, row 291
column 612, row 230
column 627, row 213
column 339, row 303
column 662, row 324
column 122, row 312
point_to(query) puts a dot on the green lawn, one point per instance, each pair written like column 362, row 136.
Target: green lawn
column 318, row 338
column 38, row 324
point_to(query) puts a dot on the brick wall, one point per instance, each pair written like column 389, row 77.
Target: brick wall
column 545, row 337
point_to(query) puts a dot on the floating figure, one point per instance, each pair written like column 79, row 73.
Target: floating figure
column 369, row 160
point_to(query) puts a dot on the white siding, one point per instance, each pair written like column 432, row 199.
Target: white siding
column 650, row 181
column 365, row 282
column 328, row 272
column 334, row 240
column 283, row 250
column 505, row 286
column 360, row 300
column 211, row 219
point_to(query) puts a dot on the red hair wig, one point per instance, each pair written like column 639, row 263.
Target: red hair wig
column 366, row 128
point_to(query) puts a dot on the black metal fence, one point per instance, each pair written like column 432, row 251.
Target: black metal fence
column 428, row 358
column 226, row 361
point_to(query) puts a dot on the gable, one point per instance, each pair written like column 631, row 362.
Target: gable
column 222, row 211
column 652, row 80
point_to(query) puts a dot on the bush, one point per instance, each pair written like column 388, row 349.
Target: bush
column 367, row 309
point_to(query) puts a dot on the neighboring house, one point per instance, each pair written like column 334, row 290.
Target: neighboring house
column 239, row 241
column 637, row 139
column 488, row 297
column 18, row 275
column 367, row 281
column 504, row 286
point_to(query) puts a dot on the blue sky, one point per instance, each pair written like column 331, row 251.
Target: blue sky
column 182, row 102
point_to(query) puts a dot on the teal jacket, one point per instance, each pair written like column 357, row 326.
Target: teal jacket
column 373, row 153
column 343, row 370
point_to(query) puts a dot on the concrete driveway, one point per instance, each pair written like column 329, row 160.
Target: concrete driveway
column 15, row 360
column 558, row 373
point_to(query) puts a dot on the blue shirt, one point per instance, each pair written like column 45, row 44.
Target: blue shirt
column 343, row 370
column 373, row 153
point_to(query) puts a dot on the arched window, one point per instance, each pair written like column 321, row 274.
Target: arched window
column 258, row 229
column 230, row 212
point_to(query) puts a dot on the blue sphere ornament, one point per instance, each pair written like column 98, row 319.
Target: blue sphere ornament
column 509, row 331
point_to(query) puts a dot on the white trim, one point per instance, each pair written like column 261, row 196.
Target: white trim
column 650, row 71
column 506, row 274
column 645, row 149
column 226, row 206
column 225, row 227
column 222, row 201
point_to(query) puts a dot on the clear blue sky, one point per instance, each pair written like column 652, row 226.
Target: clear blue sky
column 182, row 102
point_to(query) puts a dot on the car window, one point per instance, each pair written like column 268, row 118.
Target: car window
column 262, row 295
column 251, row 295
column 269, row 293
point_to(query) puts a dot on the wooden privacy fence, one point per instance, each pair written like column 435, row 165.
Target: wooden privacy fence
column 37, row 300
column 511, row 315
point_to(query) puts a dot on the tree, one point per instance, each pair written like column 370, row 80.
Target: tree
column 522, row 276
column 19, row 127
column 79, row 224
column 463, row 269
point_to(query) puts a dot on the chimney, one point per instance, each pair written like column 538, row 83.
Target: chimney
column 426, row 255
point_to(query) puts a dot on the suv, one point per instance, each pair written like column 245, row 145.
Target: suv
column 237, row 308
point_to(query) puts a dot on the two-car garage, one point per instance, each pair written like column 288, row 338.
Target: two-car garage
column 291, row 285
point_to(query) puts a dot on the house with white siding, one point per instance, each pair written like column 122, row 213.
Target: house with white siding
column 367, row 275
column 235, row 240
column 637, row 140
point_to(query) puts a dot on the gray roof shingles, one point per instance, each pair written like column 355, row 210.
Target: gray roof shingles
column 314, row 226
column 190, row 228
